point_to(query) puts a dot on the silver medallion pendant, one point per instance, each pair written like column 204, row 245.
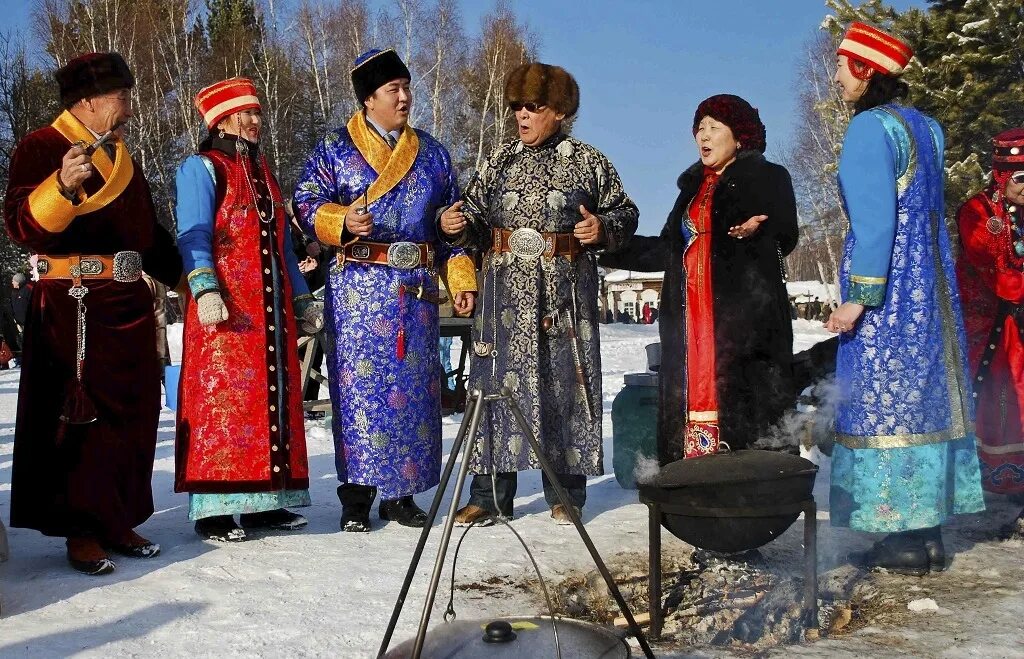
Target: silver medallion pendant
column 995, row 225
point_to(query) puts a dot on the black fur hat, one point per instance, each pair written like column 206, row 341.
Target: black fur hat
column 543, row 84
column 375, row 68
column 92, row 74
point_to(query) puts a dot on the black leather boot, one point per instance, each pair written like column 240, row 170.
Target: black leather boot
column 932, row 539
column 356, row 503
column 404, row 511
column 274, row 520
column 220, row 528
column 901, row 553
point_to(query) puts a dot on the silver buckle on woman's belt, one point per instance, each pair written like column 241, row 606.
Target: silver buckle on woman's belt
column 404, row 255
column 527, row 243
column 127, row 266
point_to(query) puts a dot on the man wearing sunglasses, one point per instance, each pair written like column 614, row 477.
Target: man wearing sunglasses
column 991, row 277
column 541, row 207
column 372, row 189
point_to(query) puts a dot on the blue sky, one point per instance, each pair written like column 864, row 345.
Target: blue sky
column 644, row 65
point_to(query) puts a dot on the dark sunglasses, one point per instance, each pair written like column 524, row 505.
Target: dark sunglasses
column 532, row 108
column 1017, row 177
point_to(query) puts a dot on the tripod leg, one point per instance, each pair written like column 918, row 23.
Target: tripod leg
column 435, row 505
column 811, row 566
column 446, row 530
column 563, row 497
column 654, row 576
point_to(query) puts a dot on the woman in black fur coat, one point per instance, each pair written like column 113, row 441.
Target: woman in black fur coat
column 724, row 308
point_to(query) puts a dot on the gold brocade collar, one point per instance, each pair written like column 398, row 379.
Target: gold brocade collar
column 116, row 175
column 391, row 165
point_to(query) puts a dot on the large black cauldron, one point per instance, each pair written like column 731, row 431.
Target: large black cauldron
column 731, row 502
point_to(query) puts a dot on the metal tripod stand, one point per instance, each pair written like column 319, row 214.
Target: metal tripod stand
column 478, row 401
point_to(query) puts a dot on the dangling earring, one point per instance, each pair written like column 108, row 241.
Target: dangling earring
column 220, row 133
column 240, row 144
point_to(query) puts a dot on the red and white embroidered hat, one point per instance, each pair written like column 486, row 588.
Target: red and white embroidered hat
column 879, row 50
column 226, row 97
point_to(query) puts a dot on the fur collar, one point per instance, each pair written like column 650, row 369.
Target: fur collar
column 746, row 161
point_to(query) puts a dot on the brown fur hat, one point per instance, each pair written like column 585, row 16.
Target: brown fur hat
column 543, row 84
column 92, row 74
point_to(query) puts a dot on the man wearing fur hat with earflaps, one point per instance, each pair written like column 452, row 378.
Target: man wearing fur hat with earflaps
column 372, row 188
column 89, row 399
column 541, row 206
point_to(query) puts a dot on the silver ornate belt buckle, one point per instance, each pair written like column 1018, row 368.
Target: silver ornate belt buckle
column 127, row 266
column 404, row 255
column 87, row 268
column 526, row 243
column 360, row 252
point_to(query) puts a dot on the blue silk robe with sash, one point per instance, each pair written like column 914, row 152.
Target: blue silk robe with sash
column 387, row 418
column 905, row 455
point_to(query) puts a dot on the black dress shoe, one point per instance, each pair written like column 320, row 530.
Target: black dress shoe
column 275, row 520
column 93, row 568
column 900, row 553
column 220, row 528
column 404, row 511
column 356, row 504
column 144, row 550
column 86, row 556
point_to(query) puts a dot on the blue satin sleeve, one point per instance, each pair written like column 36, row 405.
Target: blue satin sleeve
column 196, row 200
column 867, row 178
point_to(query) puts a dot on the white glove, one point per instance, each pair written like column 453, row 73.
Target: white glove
column 313, row 318
column 211, row 309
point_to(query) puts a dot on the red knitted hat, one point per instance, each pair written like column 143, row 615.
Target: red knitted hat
column 741, row 118
column 226, row 97
column 880, row 50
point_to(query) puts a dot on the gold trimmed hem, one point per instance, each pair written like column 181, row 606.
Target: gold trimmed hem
column 857, row 279
column 201, row 271
column 909, row 440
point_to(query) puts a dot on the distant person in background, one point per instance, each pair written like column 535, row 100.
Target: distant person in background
column 726, row 333
column 991, row 276
column 314, row 261
column 648, row 318
column 904, row 460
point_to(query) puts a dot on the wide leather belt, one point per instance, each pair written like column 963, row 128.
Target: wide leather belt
column 123, row 267
column 530, row 243
column 402, row 255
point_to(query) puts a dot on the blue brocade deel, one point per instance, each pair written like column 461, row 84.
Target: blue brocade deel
column 905, row 455
column 386, row 422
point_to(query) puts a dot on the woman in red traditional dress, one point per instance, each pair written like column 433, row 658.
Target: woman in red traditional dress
column 241, row 446
column 726, row 336
column 991, row 276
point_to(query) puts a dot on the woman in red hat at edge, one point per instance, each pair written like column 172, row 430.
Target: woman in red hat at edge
column 241, row 444
column 991, row 275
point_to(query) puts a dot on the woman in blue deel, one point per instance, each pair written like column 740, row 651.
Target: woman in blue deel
column 905, row 459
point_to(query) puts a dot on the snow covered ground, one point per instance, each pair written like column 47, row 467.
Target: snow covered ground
column 321, row 592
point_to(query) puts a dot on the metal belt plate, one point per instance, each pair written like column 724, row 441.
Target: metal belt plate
column 404, row 255
column 527, row 243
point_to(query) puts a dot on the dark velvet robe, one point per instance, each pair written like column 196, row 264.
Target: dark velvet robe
column 753, row 331
column 97, row 479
